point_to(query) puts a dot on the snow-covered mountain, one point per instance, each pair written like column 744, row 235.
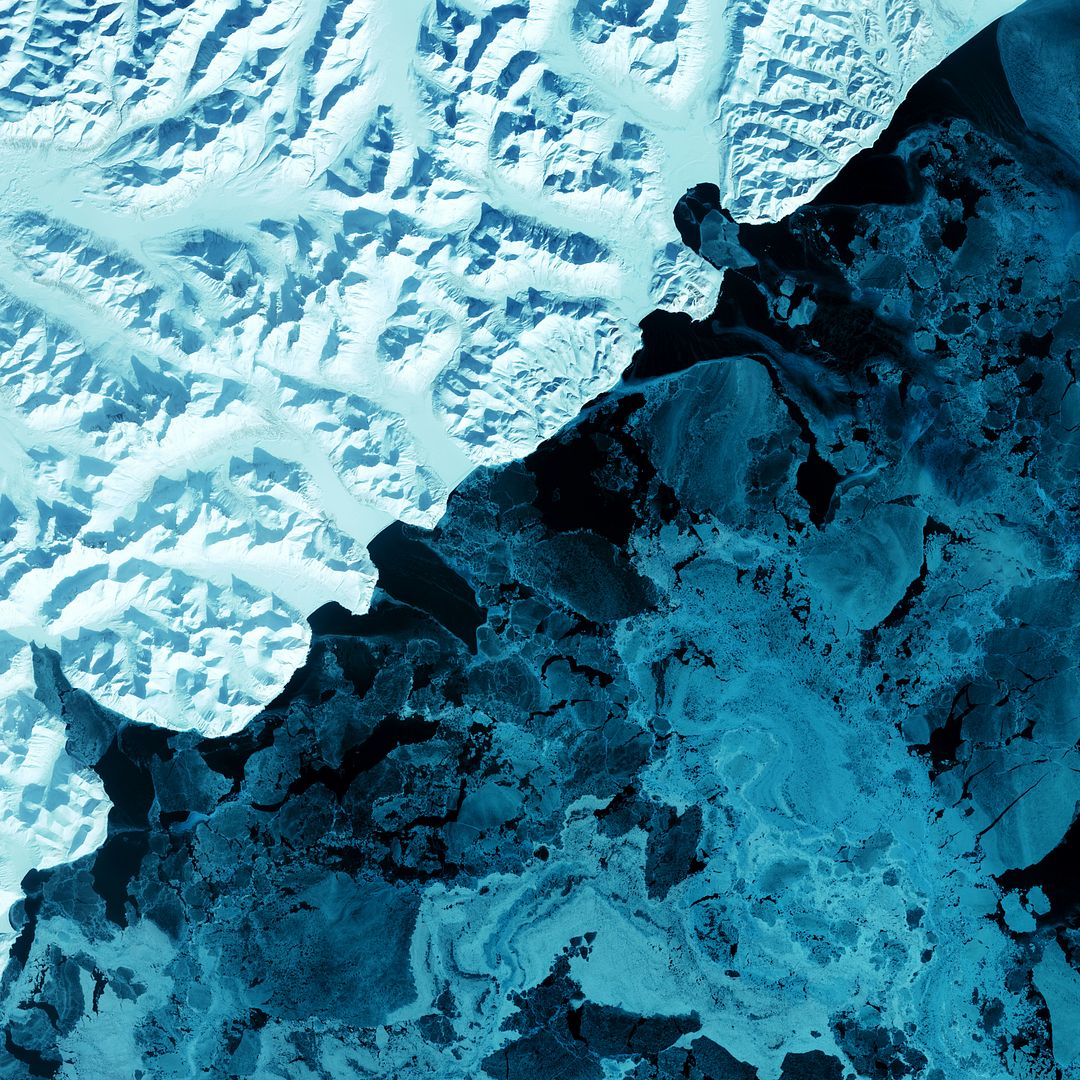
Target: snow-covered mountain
column 275, row 274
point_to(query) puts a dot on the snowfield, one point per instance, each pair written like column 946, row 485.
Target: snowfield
column 275, row 274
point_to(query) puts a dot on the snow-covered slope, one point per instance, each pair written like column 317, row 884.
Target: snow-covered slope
column 811, row 84
column 274, row 274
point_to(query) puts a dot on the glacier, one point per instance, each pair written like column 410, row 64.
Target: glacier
column 276, row 275
column 729, row 735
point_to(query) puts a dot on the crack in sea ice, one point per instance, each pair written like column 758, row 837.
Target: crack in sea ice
column 652, row 760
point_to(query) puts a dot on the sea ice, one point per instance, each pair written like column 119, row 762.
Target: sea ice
column 273, row 275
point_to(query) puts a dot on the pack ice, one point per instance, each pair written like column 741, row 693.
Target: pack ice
column 275, row 274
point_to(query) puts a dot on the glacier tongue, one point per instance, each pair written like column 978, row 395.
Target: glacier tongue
column 274, row 274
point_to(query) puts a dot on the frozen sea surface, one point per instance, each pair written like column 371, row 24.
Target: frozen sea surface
column 730, row 735
column 274, row 275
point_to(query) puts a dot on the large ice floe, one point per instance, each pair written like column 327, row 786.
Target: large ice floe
column 273, row 275
column 731, row 735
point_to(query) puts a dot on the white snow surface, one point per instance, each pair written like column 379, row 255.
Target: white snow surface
column 274, row 273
